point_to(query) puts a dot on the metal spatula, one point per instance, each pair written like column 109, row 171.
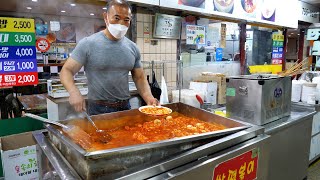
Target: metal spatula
column 102, row 136
column 74, row 132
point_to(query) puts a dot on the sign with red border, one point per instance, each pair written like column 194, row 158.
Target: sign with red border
column 42, row 44
column 19, row 79
column 242, row 167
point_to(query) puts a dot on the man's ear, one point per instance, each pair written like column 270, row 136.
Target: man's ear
column 105, row 15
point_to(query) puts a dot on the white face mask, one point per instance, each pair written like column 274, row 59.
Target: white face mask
column 117, row 30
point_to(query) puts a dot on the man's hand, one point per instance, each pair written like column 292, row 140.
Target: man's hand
column 153, row 102
column 77, row 101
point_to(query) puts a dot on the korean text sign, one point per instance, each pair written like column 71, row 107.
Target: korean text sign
column 18, row 64
column 242, row 167
column 167, row 26
column 21, row 163
column 196, row 34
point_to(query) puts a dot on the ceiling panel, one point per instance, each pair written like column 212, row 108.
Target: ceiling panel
column 82, row 8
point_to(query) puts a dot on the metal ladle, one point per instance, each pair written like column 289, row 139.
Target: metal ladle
column 74, row 132
column 103, row 136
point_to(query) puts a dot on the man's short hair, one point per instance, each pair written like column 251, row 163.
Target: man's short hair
column 122, row 3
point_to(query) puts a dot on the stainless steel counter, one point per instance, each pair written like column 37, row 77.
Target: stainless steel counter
column 290, row 144
column 54, row 165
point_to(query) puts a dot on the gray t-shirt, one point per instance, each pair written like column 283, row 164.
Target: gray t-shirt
column 107, row 64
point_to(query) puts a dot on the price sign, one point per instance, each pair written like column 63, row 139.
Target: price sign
column 16, row 39
column 24, row 65
column 277, row 49
column 16, row 25
column 241, row 167
column 17, row 52
column 18, row 64
column 19, row 79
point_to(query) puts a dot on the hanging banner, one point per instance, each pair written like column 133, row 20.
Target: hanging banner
column 223, row 35
column 18, row 63
column 196, row 34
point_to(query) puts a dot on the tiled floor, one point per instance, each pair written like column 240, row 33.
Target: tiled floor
column 314, row 171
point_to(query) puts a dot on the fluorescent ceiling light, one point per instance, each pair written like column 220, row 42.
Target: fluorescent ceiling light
column 91, row 14
column 34, row 0
column 29, row 7
column 63, row 11
column 72, row 4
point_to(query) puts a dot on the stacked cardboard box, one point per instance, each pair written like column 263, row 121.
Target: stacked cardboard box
column 221, row 81
column 19, row 156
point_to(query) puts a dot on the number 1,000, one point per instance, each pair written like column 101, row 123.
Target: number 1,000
column 25, row 65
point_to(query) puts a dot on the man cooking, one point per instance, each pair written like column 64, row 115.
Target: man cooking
column 107, row 57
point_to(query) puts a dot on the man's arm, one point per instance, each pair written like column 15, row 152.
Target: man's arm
column 69, row 69
column 143, row 86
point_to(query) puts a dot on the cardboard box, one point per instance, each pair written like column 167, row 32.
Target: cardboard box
column 19, row 157
column 208, row 89
column 222, row 84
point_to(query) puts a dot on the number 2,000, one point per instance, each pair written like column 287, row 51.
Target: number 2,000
column 26, row 78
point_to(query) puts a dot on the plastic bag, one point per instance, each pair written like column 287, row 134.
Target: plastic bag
column 164, row 99
column 154, row 86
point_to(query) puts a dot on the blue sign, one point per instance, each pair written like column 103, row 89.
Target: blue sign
column 219, row 54
column 277, row 55
column 277, row 92
column 18, row 52
column 22, row 65
column 277, row 50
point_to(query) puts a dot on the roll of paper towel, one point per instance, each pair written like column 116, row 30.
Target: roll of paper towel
column 307, row 90
column 296, row 91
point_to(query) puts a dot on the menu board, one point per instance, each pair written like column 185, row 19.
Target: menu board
column 196, row 34
column 277, row 48
column 152, row 2
column 18, row 64
column 274, row 12
column 167, row 26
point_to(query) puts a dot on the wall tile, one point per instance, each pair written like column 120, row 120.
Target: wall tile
column 168, row 57
column 158, row 57
column 146, row 28
column 146, row 46
column 163, row 46
column 140, row 44
column 153, row 57
column 163, row 57
column 139, row 29
column 173, row 57
column 174, row 46
column 152, row 49
column 168, row 46
column 146, row 17
column 146, row 57
column 139, row 17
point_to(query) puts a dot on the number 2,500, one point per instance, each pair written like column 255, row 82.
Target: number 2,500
column 22, row 24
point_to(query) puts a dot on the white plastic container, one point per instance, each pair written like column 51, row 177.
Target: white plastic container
column 307, row 90
column 208, row 89
column 296, row 91
column 188, row 96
